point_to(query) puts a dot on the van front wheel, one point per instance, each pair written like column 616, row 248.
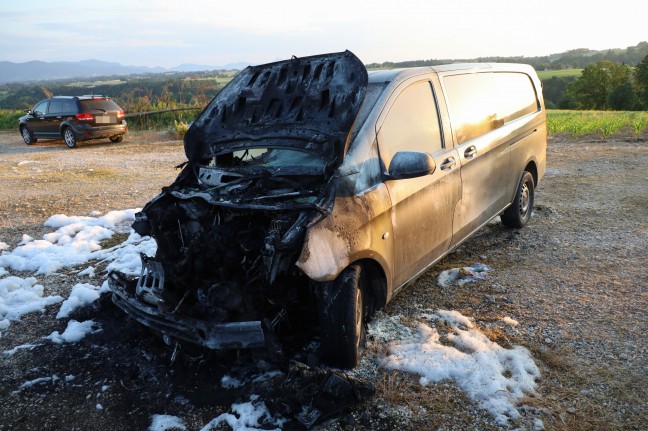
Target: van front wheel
column 518, row 214
column 342, row 321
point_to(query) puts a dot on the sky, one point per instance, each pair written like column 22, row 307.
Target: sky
column 168, row 33
column 495, row 378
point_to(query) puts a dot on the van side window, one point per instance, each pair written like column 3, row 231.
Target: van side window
column 482, row 102
column 412, row 123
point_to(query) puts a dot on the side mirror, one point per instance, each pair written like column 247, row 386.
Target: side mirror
column 410, row 164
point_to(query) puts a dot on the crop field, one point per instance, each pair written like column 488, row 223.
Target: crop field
column 602, row 124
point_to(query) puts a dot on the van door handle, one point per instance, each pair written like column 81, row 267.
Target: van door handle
column 448, row 164
column 470, row 152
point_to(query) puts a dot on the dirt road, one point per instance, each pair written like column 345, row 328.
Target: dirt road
column 575, row 279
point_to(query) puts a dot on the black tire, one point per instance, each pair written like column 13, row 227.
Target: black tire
column 343, row 321
column 519, row 213
column 117, row 139
column 27, row 135
column 69, row 137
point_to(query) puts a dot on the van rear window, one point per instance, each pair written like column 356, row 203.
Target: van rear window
column 481, row 102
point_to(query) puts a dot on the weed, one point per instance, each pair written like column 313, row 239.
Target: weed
column 9, row 119
column 639, row 122
column 180, row 128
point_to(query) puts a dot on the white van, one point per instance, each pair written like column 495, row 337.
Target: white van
column 314, row 191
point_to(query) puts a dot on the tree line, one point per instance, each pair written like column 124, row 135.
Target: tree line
column 137, row 93
column 572, row 59
column 601, row 86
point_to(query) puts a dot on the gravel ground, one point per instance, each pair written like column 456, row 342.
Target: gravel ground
column 575, row 278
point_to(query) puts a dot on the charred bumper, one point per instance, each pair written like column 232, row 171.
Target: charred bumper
column 220, row 336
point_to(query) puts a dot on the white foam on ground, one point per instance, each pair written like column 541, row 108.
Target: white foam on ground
column 252, row 415
column 166, row 422
column 82, row 294
column 74, row 332
column 19, row 296
column 495, row 378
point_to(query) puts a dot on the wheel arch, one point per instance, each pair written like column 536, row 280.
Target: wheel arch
column 532, row 168
column 376, row 284
column 67, row 125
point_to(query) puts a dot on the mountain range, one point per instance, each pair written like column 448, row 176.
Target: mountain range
column 47, row 71
column 32, row 71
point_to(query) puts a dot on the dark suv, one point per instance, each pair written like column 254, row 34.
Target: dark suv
column 74, row 118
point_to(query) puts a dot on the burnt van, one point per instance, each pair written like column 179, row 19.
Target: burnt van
column 314, row 191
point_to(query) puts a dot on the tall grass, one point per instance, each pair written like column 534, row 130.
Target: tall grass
column 603, row 124
column 9, row 119
column 160, row 121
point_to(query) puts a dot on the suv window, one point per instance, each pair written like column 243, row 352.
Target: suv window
column 69, row 106
column 412, row 123
column 486, row 101
column 55, row 107
column 41, row 108
column 102, row 105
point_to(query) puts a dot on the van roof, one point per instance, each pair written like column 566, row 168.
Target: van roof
column 376, row 76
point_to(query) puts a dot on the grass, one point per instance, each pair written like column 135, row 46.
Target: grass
column 547, row 74
column 9, row 119
column 603, row 124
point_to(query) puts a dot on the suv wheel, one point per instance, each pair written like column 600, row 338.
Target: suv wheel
column 342, row 323
column 70, row 139
column 117, row 139
column 519, row 213
column 27, row 135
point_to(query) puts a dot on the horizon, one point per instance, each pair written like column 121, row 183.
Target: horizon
column 243, row 62
column 163, row 33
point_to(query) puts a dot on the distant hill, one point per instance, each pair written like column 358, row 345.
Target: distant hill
column 33, row 71
column 572, row 59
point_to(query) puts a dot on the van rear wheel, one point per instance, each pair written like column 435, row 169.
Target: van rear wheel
column 342, row 322
column 518, row 214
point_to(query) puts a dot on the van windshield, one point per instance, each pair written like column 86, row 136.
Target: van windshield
column 269, row 157
column 374, row 90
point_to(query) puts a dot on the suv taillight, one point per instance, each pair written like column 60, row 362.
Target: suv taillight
column 120, row 114
column 84, row 117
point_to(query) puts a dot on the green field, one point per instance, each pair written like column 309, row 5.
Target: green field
column 603, row 124
column 93, row 84
column 548, row 74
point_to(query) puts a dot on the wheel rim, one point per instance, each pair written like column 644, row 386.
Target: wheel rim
column 25, row 134
column 525, row 198
column 69, row 138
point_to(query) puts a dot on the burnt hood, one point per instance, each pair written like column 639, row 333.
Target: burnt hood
column 307, row 103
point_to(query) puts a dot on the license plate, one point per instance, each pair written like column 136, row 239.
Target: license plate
column 104, row 119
